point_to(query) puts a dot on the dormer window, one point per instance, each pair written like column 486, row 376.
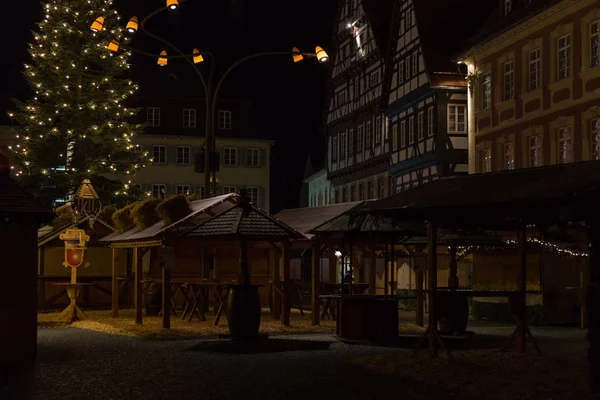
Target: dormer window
column 508, row 4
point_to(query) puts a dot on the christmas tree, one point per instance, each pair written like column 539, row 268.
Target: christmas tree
column 75, row 125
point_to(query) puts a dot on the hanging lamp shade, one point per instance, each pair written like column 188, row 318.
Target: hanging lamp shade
column 162, row 59
column 172, row 4
column 197, row 56
column 132, row 25
column 321, row 55
column 97, row 25
column 297, row 55
column 114, row 45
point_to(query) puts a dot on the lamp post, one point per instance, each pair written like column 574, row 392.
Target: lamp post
column 210, row 158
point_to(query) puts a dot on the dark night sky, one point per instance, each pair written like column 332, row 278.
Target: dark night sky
column 288, row 98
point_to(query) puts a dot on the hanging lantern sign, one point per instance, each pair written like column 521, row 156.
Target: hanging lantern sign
column 75, row 240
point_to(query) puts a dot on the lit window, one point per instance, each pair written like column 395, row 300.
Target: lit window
column 253, row 194
column 534, row 69
column 565, row 145
column 508, row 81
column 252, row 157
column 351, row 142
column 486, row 90
column 564, row 57
column 594, row 38
column 596, row 139
column 369, row 135
column 230, row 156
column 153, row 116
column 395, row 137
column 343, row 146
column 183, row 155
column 224, row 120
column 415, row 62
column 159, row 155
column 334, row 148
column 378, row 130
column 535, row 151
column 158, row 191
column 507, row 6
column 420, row 126
column 189, row 118
column 183, row 189
column 509, row 156
column 486, row 160
column 411, row 130
column 456, row 118
column 430, row 122
column 360, row 140
column 229, row 189
column 402, row 134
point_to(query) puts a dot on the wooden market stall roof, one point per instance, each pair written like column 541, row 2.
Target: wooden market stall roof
column 47, row 235
column 201, row 209
column 304, row 219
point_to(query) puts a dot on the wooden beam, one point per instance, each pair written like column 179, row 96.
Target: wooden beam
column 432, row 278
column 372, row 271
column 137, row 286
column 134, row 245
column 114, row 286
column 166, row 298
column 286, row 295
column 315, row 274
column 276, row 298
column 522, row 282
column 41, row 283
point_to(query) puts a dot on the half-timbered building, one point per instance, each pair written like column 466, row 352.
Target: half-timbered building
column 356, row 126
column 427, row 95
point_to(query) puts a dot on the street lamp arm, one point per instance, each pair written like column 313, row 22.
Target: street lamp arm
column 145, row 53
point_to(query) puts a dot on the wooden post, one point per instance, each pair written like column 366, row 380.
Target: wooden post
column 276, row 298
column 285, row 298
column 522, row 287
column 372, row 271
column 593, row 306
column 432, row 277
column 166, row 298
column 41, row 281
column 115, row 286
column 419, row 311
column 453, row 275
column 137, row 286
column 315, row 274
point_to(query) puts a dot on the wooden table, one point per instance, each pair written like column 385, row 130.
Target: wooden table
column 72, row 313
column 331, row 292
column 198, row 297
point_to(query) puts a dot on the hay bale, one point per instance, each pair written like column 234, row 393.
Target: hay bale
column 173, row 209
column 122, row 219
column 144, row 213
column 65, row 215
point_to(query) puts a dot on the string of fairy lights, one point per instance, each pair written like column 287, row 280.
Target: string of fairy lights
column 84, row 87
column 464, row 250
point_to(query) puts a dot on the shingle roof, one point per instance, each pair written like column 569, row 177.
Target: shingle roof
column 200, row 208
column 13, row 199
column 235, row 223
column 305, row 219
column 446, row 237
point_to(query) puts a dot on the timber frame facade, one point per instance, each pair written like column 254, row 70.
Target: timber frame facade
column 356, row 126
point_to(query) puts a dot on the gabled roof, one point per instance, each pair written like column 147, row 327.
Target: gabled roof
column 15, row 200
column 54, row 233
column 305, row 219
column 200, row 209
column 238, row 222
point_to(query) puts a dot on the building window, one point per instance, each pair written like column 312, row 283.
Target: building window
column 343, row 146
column 486, row 90
column 508, row 82
column 486, row 160
column 338, row 200
column 401, row 72
column 361, row 191
column 182, row 189
column 159, row 155
column 351, row 142
column 407, row 69
column 402, row 134
column 456, row 118
column 229, row 189
column 360, row 140
column 224, row 120
column 594, row 39
column 535, row 151
column 415, row 63
column 253, row 195
column 534, row 69
column 201, row 192
column 158, row 191
column 395, row 137
column 341, row 97
column 189, row 118
column 371, row 189
column 408, row 19
column 564, row 57
column 353, row 193
column 344, row 195
column 334, row 149
column 381, row 188
column 420, row 126
column 378, row 130
column 596, row 139
column 230, row 156
column 430, row 122
column 357, row 88
column 153, row 116
column 369, row 135
column 565, row 145
column 411, row 130
column 183, row 155
column 252, row 157
column 374, row 79
column 509, row 156
column 507, row 7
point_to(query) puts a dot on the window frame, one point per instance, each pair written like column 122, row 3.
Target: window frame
column 395, row 138
column 538, row 151
column 235, row 162
column 568, row 141
column 508, row 4
column 225, row 120
column 430, row 122
column 343, row 146
column 568, row 57
column 486, row 160
column 401, row 72
column 334, row 148
column 420, row 126
column 154, row 111
column 594, row 60
column 415, row 63
column 177, row 160
column 508, row 80
column 536, row 64
column 191, row 122
column 378, row 124
column 164, row 190
column 486, row 90
column 182, row 186
column 369, row 135
column 374, row 78
column 455, row 129
column 249, row 151
column 350, row 142
column 360, row 139
column 595, row 131
column 411, row 129
column 154, row 158
column 229, row 188
column 249, row 190
column 403, row 134
column 509, row 156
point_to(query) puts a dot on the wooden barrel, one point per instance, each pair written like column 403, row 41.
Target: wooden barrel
column 243, row 311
